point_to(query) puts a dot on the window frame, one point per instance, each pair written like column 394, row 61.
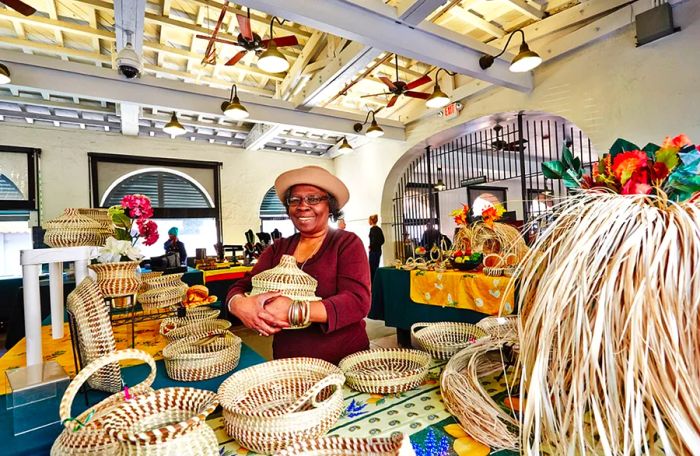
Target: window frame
column 31, row 203
column 95, row 158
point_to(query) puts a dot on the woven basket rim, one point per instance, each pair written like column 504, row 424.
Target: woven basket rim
column 174, row 349
column 350, row 362
column 197, row 328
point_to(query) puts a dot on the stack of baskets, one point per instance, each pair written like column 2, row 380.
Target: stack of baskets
column 202, row 356
column 444, row 339
column 161, row 291
column 189, row 317
column 206, row 326
column 276, row 404
column 386, row 370
column 72, row 229
column 102, row 217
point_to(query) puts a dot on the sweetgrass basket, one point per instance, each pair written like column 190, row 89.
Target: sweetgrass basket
column 161, row 297
column 161, row 282
column 71, row 238
column 288, row 279
column 117, row 279
column 94, row 333
column 91, row 439
column 276, row 404
column 202, row 356
column 497, row 267
column 102, row 217
column 444, row 339
column 500, row 327
column 191, row 316
column 72, row 229
column 397, row 444
column 198, row 328
column 169, row 421
column 386, row 370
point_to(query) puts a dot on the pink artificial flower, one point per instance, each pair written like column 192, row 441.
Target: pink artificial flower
column 148, row 230
column 137, row 206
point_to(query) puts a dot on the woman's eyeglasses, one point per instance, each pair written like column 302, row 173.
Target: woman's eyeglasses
column 310, row 200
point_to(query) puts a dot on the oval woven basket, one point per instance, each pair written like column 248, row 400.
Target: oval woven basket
column 198, row 328
column 202, row 356
column 288, row 279
column 191, row 316
column 169, row 421
column 276, row 404
column 71, row 238
column 92, row 438
column 500, row 327
column 386, row 370
column 161, row 297
column 117, row 279
column 396, row 445
column 160, row 282
column 444, row 339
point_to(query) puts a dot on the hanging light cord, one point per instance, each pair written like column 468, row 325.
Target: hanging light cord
column 373, row 114
column 437, row 74
column 508, row 42
column 234, row 90
column 272, row 21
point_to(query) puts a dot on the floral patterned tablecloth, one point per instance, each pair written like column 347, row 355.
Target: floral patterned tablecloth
column 462, row 290
column 419, row 413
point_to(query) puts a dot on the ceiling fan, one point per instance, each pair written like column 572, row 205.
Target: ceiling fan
column 247, row 40
column 20, row 7
column 399, row 87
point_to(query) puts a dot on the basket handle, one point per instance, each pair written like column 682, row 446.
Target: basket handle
column 82, row 376
column 416, row 326
column 500, row 259
column 336, row 380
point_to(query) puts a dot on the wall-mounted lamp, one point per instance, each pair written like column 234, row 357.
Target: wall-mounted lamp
column 440, row 186
column 438, row 98
column 4, row 74
column 233, row 108
column 344, row 146
column 374, row 130
column 272, row 60
column 526, row 59
column 174, row 127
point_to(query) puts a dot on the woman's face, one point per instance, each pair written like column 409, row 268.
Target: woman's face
column 308, row 218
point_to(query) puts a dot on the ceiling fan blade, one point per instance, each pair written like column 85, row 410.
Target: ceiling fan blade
column 375, row 94
column 234, row 60
column 392, row 102
column 388, row 82
column 210, row 56
column 289, row 40
column 244, row 27
column 418, row 82
column 19, row 6
column 421, row 95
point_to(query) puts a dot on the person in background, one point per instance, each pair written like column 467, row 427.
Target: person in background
column 376, row 240
column 341, row 224
column 173, row 244
column 431, row 236
column 335, row 258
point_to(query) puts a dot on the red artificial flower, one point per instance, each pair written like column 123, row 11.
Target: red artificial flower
column 148, row 230
column 137, row 206
column 628, row 163
column 489, row 215
column 659, row 172
column 677, row 143
column 637, row 185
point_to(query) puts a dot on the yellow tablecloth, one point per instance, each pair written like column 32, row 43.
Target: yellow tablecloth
column 463, row 290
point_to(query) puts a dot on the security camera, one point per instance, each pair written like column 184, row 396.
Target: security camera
column 129, row 62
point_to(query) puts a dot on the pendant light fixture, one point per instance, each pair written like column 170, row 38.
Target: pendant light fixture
column 440, row 186
column 374, row 130
column 526, row 59
column 174, row 127
column 438, row 98
column 233, row 108
column 345, row 146
column 4, row 74
column 272, row 60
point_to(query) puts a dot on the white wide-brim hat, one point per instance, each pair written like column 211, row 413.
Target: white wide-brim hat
column 312, row 175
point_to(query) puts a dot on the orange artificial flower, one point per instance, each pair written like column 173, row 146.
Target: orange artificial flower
column 628, row 163
column 677, row 143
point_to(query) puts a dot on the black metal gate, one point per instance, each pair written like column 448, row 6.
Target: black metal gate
column 506, row 153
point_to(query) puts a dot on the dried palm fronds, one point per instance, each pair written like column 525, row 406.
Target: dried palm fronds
column 502, row 238
column 610, row 328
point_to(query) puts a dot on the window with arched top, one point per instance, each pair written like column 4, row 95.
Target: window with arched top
column 273, row 215
column 184, row 194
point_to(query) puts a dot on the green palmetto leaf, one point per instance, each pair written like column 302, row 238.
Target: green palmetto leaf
column 553, row 169
column 567, row 157
column 621, row 145
column 122, row 234
column 651, row 149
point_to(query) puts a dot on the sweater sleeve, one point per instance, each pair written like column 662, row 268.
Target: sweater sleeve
column 244, row 285
column 352, row 302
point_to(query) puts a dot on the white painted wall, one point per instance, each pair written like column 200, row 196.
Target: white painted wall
column 609, row 89
column 245, row 175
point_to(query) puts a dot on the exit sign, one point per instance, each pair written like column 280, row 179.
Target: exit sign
column 450, row 111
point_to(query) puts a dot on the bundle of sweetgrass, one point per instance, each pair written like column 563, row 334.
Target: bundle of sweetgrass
column 610, row 328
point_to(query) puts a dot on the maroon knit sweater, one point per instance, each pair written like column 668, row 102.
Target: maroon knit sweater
column 342, row 271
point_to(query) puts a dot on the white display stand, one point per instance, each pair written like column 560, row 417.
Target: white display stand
column 31, row 261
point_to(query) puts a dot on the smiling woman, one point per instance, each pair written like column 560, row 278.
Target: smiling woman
column 335, row 258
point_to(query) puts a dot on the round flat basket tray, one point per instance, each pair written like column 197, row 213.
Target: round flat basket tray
column 159, row 298
column 273, row 405
column 500, row 327
column 444, row 339
column 202, row 356
column 190, row 316
column 198, row 328
column 346, row 446
column 385, row 371
column 167, row 421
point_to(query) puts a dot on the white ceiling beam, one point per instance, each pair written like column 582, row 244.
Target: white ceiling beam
column 128, row 28
column 294, row 75
column 480, row 23
column 260, row 135
column 526, row 9
column 416, row 11
column 45, row 73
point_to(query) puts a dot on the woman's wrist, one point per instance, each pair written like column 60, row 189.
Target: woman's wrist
column 232, row 300
column 317, row 312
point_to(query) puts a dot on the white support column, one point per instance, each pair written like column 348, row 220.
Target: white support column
column 32, row 313
column 56, row 296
